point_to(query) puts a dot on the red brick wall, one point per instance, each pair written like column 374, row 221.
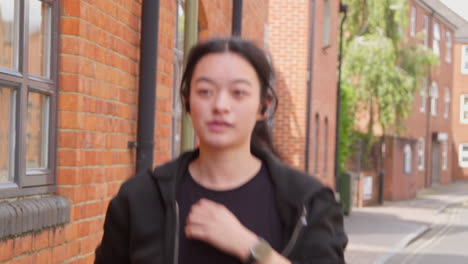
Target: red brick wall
column 289, row 26
column 443, row 75
column 324, row 90
column 417, row 120
column 398, row 184
column 215, row 18
column 96, row 118
column 460, row 134
column 288, row 44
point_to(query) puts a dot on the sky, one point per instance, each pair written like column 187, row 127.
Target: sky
column 458, row 6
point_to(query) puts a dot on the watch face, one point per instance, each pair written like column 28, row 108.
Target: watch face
column 261, row 250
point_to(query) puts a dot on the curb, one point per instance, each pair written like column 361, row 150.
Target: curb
column 404, row 243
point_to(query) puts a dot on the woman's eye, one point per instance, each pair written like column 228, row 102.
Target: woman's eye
column 240, row 93
column 203, row 92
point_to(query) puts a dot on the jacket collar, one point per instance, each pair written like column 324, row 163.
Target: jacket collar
column 291, row 186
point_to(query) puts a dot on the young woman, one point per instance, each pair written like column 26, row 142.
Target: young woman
column 231, row 200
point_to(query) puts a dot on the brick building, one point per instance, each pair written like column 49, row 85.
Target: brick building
column 303, row 41
column 69, row 85
column 422, row 155
column 460, row 105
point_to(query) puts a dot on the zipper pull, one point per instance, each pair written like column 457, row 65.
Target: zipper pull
column 304, row 216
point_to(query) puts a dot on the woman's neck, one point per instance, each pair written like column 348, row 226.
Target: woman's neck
column 224, row 169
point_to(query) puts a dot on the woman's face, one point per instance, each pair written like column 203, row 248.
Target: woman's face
column 224, row 100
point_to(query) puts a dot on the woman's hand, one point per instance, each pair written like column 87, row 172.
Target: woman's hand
column 214, row 224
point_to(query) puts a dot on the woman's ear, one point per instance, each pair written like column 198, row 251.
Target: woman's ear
column 264, row 109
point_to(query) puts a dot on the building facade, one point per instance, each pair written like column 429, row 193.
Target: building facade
column 422, row 155
column 460, row 105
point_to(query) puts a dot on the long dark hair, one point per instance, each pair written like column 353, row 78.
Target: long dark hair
column 261, row 136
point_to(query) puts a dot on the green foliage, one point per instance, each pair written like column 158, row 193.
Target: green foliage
column 379, row 63
column 347, row 117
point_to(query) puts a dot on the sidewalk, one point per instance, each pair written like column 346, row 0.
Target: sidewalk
column 377, row 233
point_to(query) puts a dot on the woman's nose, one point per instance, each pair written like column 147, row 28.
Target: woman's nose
column 221, row 102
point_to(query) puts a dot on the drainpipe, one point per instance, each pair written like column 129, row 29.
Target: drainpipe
column 190, row 39
column 428, row 143
column 310, row 80
column 344, row 10
column 147, row 86
column 237, row 18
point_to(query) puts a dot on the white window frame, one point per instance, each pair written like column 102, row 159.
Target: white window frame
column 463, row 109
column 425, row 30
column 423, row 94
column 448, row 47
column 447, row 102
column 413, row 21
column 464, row 61
column 436, row 40
column 407, row 158
column 421, row 143
column 462, row 154
column 434, row 96
column 444, row 154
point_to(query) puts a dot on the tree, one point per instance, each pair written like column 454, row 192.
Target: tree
column 382, row 66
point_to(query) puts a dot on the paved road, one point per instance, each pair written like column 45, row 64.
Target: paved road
column 433, row 228
column 446, row 242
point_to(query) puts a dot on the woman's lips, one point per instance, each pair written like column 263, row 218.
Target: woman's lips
column 218, row 126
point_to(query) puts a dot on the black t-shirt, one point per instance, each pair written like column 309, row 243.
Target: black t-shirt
column 252, row 203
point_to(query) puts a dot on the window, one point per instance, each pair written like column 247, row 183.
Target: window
column 413, row 21
column 27, row 96
column 464, row 65
column 447, row 103
column 464, row 109
column 448, row 45
column 316, row 144
column 326, row 24
column 463, row 155
column 325, row 147
column 444, row 154
column 436, row 40
column 178, row 68
column 434, row 95
column 423, row 94
column 407, row 158
column 421, row 153
column 425, row 30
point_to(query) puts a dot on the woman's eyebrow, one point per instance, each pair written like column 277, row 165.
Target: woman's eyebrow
column 241, row 81
column 205, row 79
column 235, row 81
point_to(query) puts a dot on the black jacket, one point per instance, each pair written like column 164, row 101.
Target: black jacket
column 141, row 224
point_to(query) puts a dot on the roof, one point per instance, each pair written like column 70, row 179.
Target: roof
column 460, row 24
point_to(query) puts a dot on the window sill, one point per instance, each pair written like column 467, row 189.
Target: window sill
column 33, row 214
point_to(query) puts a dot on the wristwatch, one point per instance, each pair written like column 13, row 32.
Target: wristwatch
column 259, row 252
